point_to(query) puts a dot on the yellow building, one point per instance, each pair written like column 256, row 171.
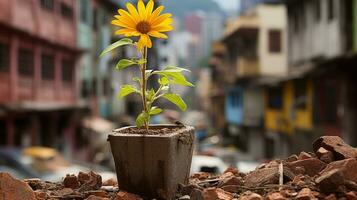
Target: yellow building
column 288, row 106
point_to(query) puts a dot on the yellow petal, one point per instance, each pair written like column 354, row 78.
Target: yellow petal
column 160, row 19
column 121, row 24
column 149, row 8
column 133, row 12
column 162, row 28
column 126, row 21
column 144, row 41
column 157, row 34
column 156, row 13
column 166, row 22
column 141, row 9
column 126, row 14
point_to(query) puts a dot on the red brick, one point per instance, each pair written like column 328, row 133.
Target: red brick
column 11, row 188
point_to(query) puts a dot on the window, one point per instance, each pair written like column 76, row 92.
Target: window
column 275, row 98
column 317, row 6
column 67, row 71
column 274, row 41
column 300, row 93
column 84, row 11
column 4, row 58
column 47, row 4
column 47, row 67
column 66, row 11
column 84, row 89
column 331, row 9
column 25, row 62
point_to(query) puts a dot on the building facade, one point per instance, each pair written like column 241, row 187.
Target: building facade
column 38, row 70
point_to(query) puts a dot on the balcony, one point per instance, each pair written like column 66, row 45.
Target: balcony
column 247, row 67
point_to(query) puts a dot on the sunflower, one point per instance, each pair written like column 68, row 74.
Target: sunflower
column 143, row 22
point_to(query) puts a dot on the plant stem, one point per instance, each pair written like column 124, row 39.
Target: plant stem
column 144, row 84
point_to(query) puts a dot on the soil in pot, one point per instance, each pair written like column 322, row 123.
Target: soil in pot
column 152, row 163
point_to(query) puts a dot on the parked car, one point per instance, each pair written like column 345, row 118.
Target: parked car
column 13, row 162
column 208, row 164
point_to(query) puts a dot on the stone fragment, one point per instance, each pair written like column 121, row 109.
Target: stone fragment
column 265, row 176
column 200, row 175
column 11, row 188
column 330, row 181
column 92, row 197
column 351, row 195
column 325, row 155
column 250, row 196
column 41, row 195
column 231, row 188
column 337, row 146
column 34, row 183
column 233, row 180
column 94, row 182
column 64, row 192
column 312, row 166
column 127, row 196
column 303, row 155
column 196, row 194
column 216, row 194
column 110, row 182
column 233, row 170
column 347, row 166
column 305, row 194
column 98, row 193
column 276, row 196
column 83, row 177
column 186, row 197
column 71, row 181
column 331, row 197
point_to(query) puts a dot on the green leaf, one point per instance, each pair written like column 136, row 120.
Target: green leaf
column 124, row 63
column 176, row 99
column 176, row 68
column 141, row 119
column 122, row 42
column 126, row 90
column 175, row 77
column 155, row 111
column 150, row 94
column 141, row 61
column 164, row 81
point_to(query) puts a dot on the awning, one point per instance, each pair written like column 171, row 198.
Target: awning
column 249, row 22
column 97, row 124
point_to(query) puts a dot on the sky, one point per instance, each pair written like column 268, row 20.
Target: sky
column 228, row 4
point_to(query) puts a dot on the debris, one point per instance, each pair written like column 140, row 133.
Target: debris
column 71, row 181
column 216, row 194
column 11, row 188
column 329, row 181
column 310, row 166
column 335, row 144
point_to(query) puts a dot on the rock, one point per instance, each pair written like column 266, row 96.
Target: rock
column 226, row 175
column 127, row 196
column 64, row 192
column 233, row 170
column 231, row 188
column 351, row 185
column 40, row 195
column 196, row 194
column 216, row 194
column 186, row 197
column 347, row 166
column 11, row 188
column 92, row 197
column 292, row 158
column 265, row 176
column 303, row 155
column 250, row 196
column 34, row 183
column 305, row 194
column 110, row 182
column 98, row 193
column 351, row 195
column 330, row 181
column 200, row 175
column 83, row 177
column 311, row 166
column 331, row 197
column 94, row 182
column 71, row 181
column 325, row 155
column 276, row 196
column 337, row 146
column 235, row 181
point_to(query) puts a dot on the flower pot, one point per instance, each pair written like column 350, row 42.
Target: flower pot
column 152, row 165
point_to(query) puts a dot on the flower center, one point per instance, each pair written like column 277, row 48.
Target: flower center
column 143, row 27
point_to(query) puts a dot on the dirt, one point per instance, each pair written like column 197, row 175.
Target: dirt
column 152, row 130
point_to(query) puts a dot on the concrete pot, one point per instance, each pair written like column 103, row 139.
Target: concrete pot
column 152, row 165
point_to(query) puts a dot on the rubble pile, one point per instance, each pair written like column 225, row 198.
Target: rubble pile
column 330, row 173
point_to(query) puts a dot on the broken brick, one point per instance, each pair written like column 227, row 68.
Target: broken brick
column 325, row 155
column 311, row 166
column 231, row 181
column 127, row 196
column 330, row 181
column 11, row 188
column 347, row 166
column 250, row 196
column 92, row 181
column 303, row 155
column 351, row 195
column 216, row 194
column 335, row 144
column 305, row 194
column 276, row 196
column 71, row 181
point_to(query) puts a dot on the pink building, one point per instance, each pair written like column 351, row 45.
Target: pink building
column 38, row 58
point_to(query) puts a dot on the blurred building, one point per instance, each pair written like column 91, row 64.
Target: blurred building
column 38, row 73
column 253, row 50
column 247, row 5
